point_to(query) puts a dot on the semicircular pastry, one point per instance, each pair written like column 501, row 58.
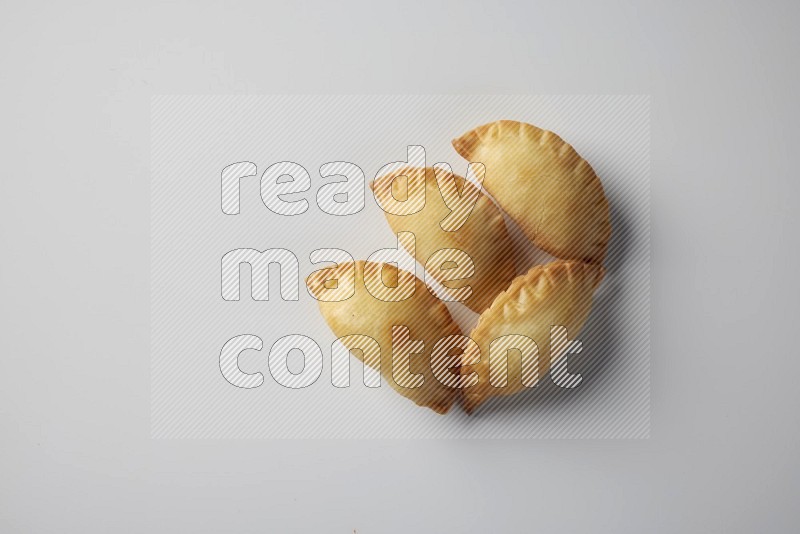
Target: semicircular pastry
column 544, row 185
column 476, row 228
column 363, row 316
column 515, row 331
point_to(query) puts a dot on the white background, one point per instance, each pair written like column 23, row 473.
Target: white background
column 74, row 388
column 195, row 137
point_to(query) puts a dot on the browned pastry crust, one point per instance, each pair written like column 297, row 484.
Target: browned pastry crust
column 558, row 293
column 544, row 185
column 362, row 314
column 483, row 236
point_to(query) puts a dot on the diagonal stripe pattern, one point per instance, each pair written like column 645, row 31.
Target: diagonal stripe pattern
column 193, row 226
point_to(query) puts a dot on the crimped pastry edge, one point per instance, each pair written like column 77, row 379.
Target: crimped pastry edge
column 466, row 145
column 503, row 307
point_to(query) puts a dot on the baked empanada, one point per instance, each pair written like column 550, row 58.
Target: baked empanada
column 363, row 315
column 478, row 231
column 518, row 324
column 544, row 185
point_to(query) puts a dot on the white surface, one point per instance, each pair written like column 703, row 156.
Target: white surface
column 74, row 391
column 194, row 138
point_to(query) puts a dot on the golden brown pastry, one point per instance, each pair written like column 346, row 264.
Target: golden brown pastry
column 544, row 185
column 477, row 228
column 556, row 294
column 362, row 314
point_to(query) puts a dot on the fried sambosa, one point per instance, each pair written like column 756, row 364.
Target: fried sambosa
column 544, row 185
column 372, row 314
column 518, row 325
column 467, row 221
